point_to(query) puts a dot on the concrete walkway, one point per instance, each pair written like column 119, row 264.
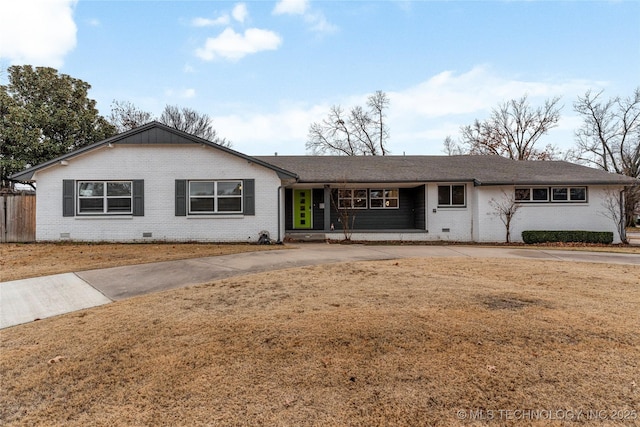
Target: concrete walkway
column 30, row 299
column 27, row 300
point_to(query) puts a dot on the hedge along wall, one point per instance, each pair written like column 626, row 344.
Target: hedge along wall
column 604, row 237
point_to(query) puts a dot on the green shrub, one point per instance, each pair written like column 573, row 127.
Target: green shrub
column 539, row 236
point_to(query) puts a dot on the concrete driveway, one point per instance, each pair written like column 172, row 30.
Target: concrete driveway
column 30, row 299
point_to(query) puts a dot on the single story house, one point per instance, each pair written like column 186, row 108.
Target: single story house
column 158, row 183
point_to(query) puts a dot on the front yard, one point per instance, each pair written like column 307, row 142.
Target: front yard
column 403, row 342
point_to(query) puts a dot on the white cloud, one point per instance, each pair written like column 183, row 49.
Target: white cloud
column 240, row 12
column 315, row 19
column 234, row 46
column 477, row 90
column 94, row 22
column 318, row 23
column 291, row 7
column 448, row 100
column 284, row 131
column 419, row 117
column 39, row 32
column 207, row 22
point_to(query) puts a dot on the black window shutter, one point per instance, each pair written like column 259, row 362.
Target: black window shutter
column 68, row 197
column 181, row 197
column 248, row 192
column 138, row 197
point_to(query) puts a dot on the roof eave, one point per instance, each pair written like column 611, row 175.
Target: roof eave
column 561, row 182
column 27, row 174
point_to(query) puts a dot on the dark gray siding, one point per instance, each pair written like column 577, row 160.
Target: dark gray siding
column 410, row 214
column 288, row 209
column 318, row 214
column 419, row 208
column 385, row 219
column 155, row 135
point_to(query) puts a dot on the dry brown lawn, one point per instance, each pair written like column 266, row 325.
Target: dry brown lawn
column 406, row 342
column 21, row 261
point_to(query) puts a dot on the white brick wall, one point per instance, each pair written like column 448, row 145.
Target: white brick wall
column 588, row 216
column 159, row 166
column 457, row 220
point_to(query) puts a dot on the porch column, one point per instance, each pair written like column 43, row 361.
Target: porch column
column 327, row 208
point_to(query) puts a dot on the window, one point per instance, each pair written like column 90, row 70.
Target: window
column 535, row 194
column 384, row 198
column 569, row 194
column 215, row 197
column 553, row 194
column 352, row 199
column 451, row 195
column 105, row 197
column 578, row 194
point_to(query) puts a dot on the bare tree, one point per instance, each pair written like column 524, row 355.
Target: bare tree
column 609, row 139
column 378, row 103
column 451, row 147
column 506, row 209
column 613, row 204
column 126, row 116
column 512, row 131
column 362, row 132
column 342, row 201
column 193, row 122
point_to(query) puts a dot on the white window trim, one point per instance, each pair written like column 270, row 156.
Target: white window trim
column 568, row 199
column 451, row 205
column 215, row 198
column 531, row 189
column 352, row 198
column 550, row 199
column 384, row 198
column 105, row 198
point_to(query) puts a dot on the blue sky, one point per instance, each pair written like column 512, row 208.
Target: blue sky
column 265, row 70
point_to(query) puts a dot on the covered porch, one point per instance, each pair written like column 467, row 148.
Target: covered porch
column 379, row 211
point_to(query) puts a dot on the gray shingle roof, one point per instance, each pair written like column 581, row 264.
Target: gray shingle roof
column 484, row 170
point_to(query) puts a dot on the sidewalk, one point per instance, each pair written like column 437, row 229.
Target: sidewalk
column 26, row 300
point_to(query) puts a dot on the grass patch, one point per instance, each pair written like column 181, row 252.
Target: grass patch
column 25, row 260
column 401, row 342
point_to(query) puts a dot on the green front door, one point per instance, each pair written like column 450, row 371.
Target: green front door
column 302, row 212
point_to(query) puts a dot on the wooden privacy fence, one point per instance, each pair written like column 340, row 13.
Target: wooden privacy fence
column 17, row 218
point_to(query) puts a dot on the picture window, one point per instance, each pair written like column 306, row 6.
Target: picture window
column 215, row 197
column 105, row 197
